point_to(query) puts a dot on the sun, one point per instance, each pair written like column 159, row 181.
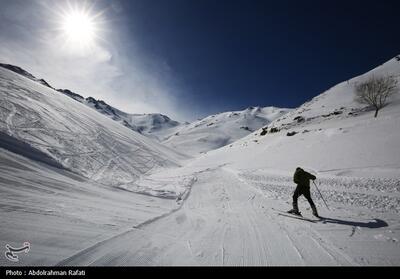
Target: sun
column 79, row 27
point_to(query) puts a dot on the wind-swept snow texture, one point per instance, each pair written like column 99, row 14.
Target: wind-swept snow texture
column 218, row 130
column 77, row 137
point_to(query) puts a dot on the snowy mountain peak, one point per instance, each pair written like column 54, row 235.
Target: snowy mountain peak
column 218, row 130
column 71, row 94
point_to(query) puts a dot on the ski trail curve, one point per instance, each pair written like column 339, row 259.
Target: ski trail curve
column 9, row 119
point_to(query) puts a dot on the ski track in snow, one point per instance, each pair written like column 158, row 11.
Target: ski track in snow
column 77, row 137
column 222, row 222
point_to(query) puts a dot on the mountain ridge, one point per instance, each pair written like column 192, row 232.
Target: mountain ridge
column 126, row 119
column 172, row 133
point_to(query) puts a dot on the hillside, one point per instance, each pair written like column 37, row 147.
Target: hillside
column 150, row 124
column 71, row 177
column 331, row 131
column 76, row 136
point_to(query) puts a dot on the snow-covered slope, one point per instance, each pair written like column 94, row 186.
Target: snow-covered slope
column 44, row 135
column 24, row 73
column 355, row 156
column 329, row 132
column 74, row 135
column 221, row 129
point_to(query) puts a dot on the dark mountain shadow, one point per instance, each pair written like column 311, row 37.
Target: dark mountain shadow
column 21, row 148
column 376, row 223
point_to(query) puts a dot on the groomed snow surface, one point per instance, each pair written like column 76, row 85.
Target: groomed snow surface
column 220, row 208
column 227, row 220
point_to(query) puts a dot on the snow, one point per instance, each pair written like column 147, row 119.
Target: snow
column 346, row 142
column 226, row 222
column 77, row 137
column 153, row 125
column 61, row 213
column 219, row 208
column 168, row 184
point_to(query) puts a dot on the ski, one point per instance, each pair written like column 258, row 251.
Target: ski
column 295, row 216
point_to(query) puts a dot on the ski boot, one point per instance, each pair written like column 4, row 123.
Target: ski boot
column 295, row 212
column 315, row 212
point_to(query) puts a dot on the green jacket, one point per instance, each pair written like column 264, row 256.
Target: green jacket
column 302, row 178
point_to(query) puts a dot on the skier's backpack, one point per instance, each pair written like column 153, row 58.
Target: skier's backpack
column 297, row 176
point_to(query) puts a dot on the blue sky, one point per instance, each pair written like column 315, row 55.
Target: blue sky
column 191, row 58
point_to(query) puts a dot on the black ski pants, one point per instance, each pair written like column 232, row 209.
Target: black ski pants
column 305, row 191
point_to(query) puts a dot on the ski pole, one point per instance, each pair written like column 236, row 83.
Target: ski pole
column 321, row 195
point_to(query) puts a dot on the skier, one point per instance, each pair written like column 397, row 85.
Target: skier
column 302, row 179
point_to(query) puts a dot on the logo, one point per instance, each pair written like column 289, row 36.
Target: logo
column 11, row 251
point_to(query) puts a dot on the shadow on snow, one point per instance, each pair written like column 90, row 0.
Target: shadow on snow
column 376, row 223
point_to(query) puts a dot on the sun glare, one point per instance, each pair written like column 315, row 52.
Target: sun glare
column 79, row 27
